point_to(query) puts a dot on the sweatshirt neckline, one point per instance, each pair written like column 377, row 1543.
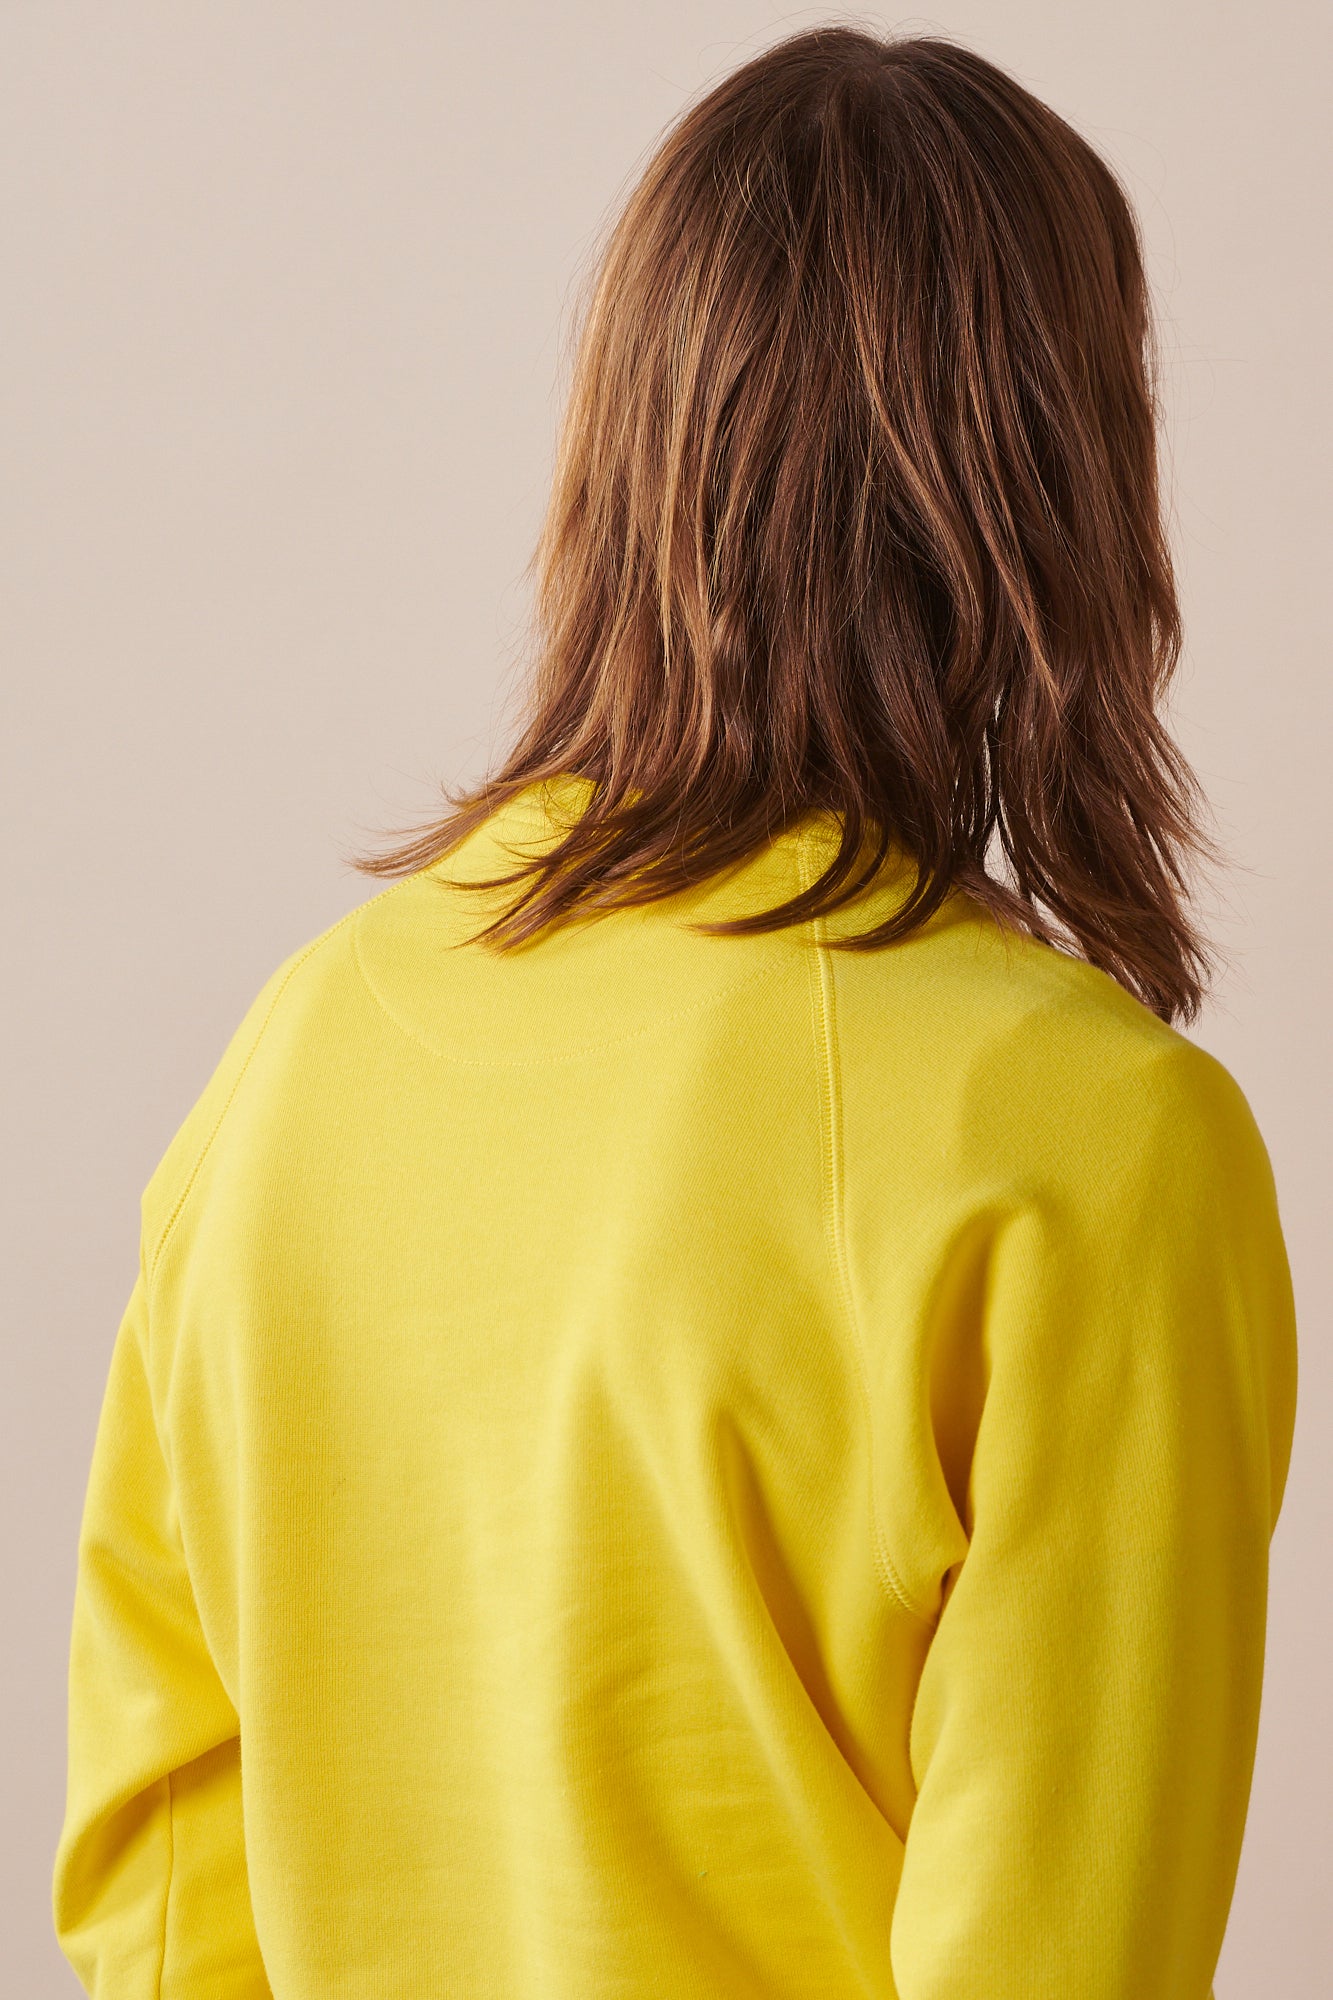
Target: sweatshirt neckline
column 598, row 980
column 548, row 806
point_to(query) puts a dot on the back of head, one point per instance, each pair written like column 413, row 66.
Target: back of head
column 856, row 508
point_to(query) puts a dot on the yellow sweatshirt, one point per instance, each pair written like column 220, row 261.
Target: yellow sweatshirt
column 681, row 1468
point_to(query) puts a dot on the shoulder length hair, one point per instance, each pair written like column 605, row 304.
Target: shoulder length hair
column 856, row 508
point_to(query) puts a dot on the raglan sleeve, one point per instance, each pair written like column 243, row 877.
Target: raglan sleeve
column 1084, row 1727
column 150, row 1892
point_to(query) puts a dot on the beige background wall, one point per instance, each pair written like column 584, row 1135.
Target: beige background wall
column 284, row 289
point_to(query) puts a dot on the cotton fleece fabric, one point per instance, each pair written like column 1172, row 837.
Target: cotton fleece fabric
column 670, row 1467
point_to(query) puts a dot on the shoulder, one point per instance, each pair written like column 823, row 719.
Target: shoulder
column 1016, row 1062
column 294, row 1025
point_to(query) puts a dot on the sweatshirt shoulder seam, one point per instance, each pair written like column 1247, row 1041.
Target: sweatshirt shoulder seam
column 293, row 966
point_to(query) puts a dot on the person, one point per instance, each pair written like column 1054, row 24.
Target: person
column 712, row 1371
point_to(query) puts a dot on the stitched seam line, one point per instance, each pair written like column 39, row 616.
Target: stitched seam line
column 166, row 1894
column 833, row 1180
column 193, row 1174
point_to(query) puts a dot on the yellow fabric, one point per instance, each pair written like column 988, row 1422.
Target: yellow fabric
column 670, row 1466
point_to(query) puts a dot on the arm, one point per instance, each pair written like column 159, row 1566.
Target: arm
column 1084, row 1731
column 151, row 1897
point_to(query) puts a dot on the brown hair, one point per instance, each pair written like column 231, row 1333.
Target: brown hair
column 856, row 508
